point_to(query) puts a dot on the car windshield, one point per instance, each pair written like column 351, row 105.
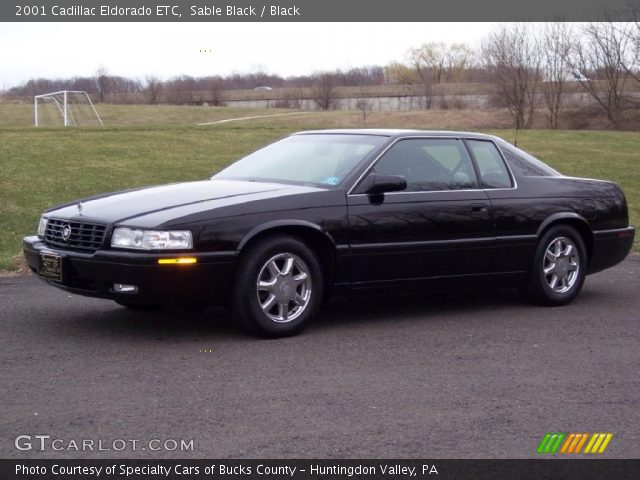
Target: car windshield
column 319, row 159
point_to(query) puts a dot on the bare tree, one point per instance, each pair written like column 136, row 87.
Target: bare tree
column 555, row 47
column 458, row 57
column 366, row 107
column 354, row 77
column 633, row 31
column 215, row 86
column 180, row 90
column 430, row 59
column 512, row 58
column 427, row 62
column 602, row 58
column 291, row 98
column 102, row 83
column 153, row 88
column 399, row 73
column 324, row 91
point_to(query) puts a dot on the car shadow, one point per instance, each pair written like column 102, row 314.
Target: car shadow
column 344, row 308
column 385, row 307
column 386, row 304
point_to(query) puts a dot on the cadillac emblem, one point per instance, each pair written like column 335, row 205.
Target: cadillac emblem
column 66, row 232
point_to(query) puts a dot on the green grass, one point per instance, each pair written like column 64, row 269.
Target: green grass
column 21, row 114
column 154, row 145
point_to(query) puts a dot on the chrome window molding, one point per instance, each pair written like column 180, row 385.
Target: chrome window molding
column 434, row 137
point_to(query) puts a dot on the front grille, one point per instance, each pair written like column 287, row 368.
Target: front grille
column 83, row 236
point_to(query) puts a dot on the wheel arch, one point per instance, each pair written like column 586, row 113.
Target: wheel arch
column 318, row 240
column 574, row 220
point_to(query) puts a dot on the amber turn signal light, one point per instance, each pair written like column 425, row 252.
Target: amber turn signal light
column 177, row 261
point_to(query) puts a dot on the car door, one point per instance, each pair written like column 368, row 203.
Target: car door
column 512, row 210
column 440, row 225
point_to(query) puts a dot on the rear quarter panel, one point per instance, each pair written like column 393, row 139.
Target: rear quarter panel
column 521, row 214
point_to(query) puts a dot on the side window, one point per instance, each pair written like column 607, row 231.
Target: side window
column 429, row 164
column 491, row 167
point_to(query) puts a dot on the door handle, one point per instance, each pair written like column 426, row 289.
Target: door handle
column 481, row 208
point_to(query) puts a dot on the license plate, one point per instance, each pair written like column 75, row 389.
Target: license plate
column 51, row 266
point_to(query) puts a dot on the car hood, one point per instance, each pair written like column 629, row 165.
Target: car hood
column 130, row 204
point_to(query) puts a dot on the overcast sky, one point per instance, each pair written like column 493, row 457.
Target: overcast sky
column 57, row 50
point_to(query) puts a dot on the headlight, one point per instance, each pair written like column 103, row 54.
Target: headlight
column 151, row 239
column 42, row 226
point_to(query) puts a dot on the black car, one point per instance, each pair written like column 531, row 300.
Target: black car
column 273, row 233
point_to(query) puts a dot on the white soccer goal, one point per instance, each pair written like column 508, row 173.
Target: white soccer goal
column 67, row 107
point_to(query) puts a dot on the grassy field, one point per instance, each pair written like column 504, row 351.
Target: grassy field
column 144, row 145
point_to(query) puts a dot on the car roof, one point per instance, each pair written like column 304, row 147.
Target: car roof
column 392, row 132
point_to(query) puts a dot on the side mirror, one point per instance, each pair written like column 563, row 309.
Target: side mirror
column 386, row 183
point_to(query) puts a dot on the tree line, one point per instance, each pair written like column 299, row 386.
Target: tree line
column 529, row 66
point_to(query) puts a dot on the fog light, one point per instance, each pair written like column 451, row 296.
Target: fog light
column 124, row 288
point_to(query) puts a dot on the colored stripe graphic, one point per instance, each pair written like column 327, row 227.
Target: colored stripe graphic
column 581, row 443
column 574, row 443
column 570, row 441
column 552, row 442
column 543, row 443
column 598, row 443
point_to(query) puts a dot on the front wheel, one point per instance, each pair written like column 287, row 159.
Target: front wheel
column 278, row 287
column 559, row 267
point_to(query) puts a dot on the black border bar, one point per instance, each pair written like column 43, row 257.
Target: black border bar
column 549, row 469
column 313, row 10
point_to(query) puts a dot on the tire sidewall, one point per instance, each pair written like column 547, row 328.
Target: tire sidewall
column 246, row 300
column 549, row 296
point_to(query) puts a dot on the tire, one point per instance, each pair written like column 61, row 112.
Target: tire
column 560, row 253
column 136, row 306
column 278, row 287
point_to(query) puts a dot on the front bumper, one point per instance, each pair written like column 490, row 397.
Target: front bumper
column 207, row 282
column 610, row 247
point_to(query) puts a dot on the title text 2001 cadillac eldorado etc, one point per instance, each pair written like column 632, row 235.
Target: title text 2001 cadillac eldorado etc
column 271, row 234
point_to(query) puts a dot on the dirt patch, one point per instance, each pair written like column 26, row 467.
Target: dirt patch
column 18, row 267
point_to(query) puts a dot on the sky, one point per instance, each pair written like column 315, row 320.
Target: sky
column 61, row 50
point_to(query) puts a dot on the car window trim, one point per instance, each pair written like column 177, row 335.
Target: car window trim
column 512, row 179
column 358, row 182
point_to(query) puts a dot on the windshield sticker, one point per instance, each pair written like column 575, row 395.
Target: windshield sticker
column 331, row 180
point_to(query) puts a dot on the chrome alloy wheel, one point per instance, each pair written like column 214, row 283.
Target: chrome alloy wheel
column 561, row 264
column 284, row 287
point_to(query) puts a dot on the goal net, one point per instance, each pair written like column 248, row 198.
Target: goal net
column 65, row 108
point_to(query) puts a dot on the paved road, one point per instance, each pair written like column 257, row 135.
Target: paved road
column 474, row 375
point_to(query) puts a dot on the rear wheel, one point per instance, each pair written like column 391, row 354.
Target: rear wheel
column 559, row 267
column 278, row 287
